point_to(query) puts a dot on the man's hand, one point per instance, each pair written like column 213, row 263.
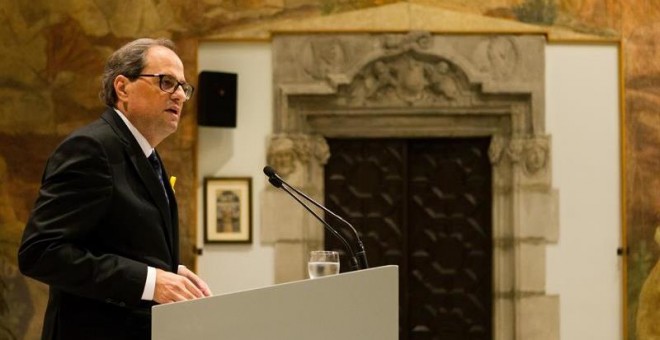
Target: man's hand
column 172, row 287
column 199, row 283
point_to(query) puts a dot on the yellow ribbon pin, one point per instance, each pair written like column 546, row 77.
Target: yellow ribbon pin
column 172, row 181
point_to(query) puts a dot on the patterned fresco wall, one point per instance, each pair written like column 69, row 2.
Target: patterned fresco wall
column 52, row 53
column 641, row 33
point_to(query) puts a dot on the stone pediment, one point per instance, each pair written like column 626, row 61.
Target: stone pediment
column 402, row 73
column 336, row 74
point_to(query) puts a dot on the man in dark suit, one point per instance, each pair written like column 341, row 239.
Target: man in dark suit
column 103, row 233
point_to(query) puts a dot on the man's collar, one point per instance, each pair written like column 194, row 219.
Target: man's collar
column 144, row 144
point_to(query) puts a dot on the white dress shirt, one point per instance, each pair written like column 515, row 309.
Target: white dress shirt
column 150, row 284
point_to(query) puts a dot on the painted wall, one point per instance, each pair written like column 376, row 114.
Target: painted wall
column 582, row 106
column 582, row 117
column 238, row 152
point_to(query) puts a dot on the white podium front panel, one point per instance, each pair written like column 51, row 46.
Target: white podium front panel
column 356, row 305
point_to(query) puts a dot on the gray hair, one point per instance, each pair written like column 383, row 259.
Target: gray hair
column 129, row 61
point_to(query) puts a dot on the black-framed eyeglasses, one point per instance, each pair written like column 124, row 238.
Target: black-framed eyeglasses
column 169, row 84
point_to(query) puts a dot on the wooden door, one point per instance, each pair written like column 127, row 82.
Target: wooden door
column 424, row 205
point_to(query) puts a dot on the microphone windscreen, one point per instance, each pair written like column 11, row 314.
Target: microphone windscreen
column 275, row 181
column 269, row 171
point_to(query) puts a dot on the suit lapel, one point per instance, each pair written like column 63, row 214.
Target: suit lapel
column 174, row 210
column 148, row 177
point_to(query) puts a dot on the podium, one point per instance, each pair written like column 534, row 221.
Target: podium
column 356, row 305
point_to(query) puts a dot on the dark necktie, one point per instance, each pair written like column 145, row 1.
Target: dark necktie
column 155, row 163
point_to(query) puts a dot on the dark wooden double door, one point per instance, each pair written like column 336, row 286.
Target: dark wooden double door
column 424, row 205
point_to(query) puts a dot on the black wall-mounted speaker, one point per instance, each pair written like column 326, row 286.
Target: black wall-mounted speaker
column 216, row 99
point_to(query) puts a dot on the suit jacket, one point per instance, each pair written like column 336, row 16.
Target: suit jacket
column 100, row 219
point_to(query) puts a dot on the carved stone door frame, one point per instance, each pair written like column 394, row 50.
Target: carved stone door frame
column 423, row 85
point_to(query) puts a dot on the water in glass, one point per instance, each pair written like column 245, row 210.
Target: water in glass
column 323, row 263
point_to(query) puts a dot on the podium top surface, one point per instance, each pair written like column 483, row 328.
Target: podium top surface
column 355, row 305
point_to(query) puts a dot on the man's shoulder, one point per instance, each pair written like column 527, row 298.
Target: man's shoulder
column 102, row 132
column 102, row 129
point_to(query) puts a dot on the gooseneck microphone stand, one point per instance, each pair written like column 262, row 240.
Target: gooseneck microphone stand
column 359, row 257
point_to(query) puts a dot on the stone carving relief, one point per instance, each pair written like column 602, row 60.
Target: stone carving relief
column 323, row 57
column 414, row 40
column 496, row 148
column 289, row 154
column 499, row 56
column 536, row 151
column 531, row 153
column 407, row 80
column 503, row 56
column 514, row 150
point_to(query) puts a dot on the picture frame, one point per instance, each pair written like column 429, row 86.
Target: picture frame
column 228, row 210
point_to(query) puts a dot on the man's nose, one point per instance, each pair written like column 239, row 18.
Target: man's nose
column 179, row 93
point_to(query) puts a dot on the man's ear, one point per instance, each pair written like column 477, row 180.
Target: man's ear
column 121, row 83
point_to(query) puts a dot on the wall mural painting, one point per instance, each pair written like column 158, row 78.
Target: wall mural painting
column 52, row 54
column 642, row 169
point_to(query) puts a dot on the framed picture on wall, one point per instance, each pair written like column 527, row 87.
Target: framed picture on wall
column 227, row 210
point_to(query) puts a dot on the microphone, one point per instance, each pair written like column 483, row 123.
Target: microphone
column 273, row 178
column 358, row 259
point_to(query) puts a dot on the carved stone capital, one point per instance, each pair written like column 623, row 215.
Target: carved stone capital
column 532, row 157
column 514, row 150
column 536, row 152
column 532, row 152
column 497, row 145
column 290, row 154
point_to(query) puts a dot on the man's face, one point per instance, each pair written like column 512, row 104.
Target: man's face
column 154, row 112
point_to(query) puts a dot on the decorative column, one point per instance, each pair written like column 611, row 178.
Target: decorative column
column 525, row 220
column 299, row 160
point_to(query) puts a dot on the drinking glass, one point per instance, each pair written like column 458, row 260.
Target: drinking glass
column 323, row 263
